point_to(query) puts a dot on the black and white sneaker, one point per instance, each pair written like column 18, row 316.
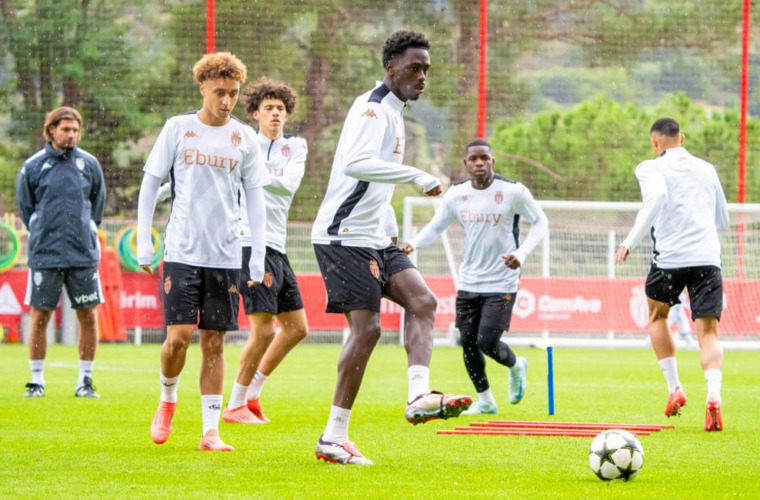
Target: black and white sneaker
column 34, row 390
column 86, row 390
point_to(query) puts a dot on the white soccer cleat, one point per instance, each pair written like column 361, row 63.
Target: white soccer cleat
column 517, row 380
column 344, row 454
column 481, row 408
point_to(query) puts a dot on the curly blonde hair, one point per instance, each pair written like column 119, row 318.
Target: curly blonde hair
column 219, row 65
column 55, row 117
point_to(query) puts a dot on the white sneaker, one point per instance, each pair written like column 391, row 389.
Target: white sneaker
column 517, row 381
column 481, row 407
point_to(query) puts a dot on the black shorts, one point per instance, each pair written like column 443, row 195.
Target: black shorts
column 488, row 309
column 355, row 277
column 44, row 286
column 704, row 283
column 191, row 291
column 278, row 293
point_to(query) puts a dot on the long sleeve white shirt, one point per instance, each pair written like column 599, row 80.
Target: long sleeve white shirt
column 683, row 209
column 490, row 218
column 366, row 168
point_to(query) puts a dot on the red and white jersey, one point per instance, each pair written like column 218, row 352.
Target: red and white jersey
column 366, row 168
column 285, row 160
column 491, row 221
column 208, row 167
column 683, row 209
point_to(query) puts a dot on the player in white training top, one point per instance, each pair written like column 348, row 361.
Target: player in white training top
column 277, row 299
column 358, row 261
column 683, row 209
column 489, row 207
column 680, row 317
column 210, row 157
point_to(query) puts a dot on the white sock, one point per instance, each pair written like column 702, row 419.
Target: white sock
column 254, row 390
column 211, row 406
column 337, row 425
column 237, row 397
column 85, row 370
column 37, row 366
column 419, row 381
column 714, row 377
column 486, row 397
column 670, row 370
column 169, row 388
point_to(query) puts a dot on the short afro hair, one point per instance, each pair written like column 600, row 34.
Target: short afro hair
column 219, row 65
column 400, row 41
column 257, row 92
column 666, row 126
column 477, row 142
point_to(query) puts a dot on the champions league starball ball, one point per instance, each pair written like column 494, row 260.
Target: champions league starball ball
column 615, row 454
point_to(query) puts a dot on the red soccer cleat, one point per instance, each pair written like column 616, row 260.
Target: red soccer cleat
column 240, row 415
column 212, row 442
column 162, row 422
column 255, row 406
column 676, row 401
column 713, row 422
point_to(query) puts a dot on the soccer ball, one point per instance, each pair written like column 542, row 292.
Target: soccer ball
column 615, row 454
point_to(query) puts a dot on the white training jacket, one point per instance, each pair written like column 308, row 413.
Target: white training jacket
column 683, row 209
column 366, row 168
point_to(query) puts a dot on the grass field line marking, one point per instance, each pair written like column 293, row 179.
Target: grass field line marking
column 74, row 366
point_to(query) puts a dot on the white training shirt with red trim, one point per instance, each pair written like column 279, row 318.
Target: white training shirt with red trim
column 285, row 160
column 491, row 221
column 208, row 167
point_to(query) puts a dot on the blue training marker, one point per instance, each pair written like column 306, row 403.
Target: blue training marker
column 550, row 378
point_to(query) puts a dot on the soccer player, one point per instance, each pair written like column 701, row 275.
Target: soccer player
column 677, row 315
column 489, row 207
column 210, row 157
column 683, row 209
column 359, row 264
column 270, row 103
column 61, row 194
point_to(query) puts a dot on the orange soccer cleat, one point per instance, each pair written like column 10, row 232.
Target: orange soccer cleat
column 255, row 406
column 713, row 421
column 676, row 401
column 162, row 422
column 212, row 442
column 240, row 415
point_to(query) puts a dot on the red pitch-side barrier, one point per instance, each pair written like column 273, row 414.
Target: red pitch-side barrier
column 554, row 304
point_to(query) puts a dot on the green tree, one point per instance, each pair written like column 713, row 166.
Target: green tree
column 589, row 151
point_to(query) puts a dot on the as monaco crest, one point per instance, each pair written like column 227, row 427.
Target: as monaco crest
column 285, row 151
column 268, row 280
column 498, row 197
column 236, row 139
column 374, row 269
column 167, row 285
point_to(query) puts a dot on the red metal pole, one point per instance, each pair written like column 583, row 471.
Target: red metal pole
column 742, row 141
column 483, row 67
column 209, row 26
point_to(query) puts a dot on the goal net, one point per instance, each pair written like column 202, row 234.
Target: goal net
column 572, row 293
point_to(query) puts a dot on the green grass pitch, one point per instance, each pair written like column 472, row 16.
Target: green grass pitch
column 64, row 447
